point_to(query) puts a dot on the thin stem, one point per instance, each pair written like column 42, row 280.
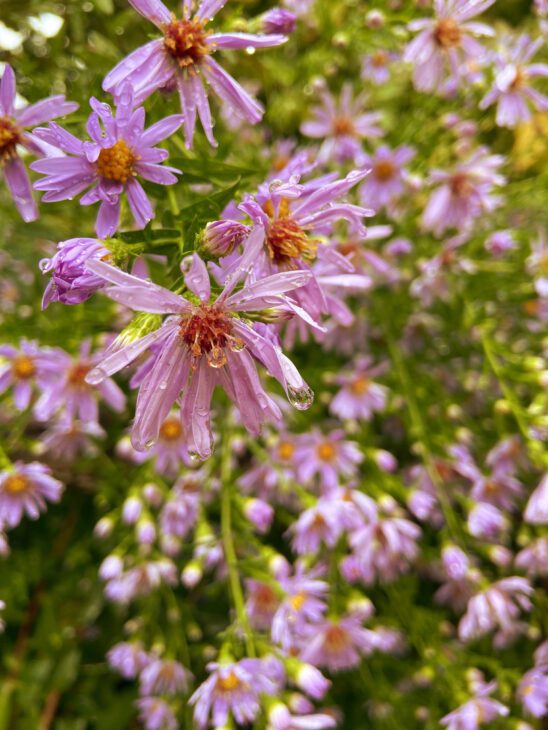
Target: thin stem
column 5, row 462
column 229, row 550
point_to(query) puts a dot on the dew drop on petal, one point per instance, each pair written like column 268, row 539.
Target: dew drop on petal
column 300, row 398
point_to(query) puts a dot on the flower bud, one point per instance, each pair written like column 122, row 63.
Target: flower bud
column 220, row 238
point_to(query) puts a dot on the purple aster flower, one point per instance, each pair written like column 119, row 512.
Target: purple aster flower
column 462, row 580
column 125, row 585
column 180, row 512
column 24, row 489
column 387, row 178
column 156, row 714
column 486, row 521
column 496, row 607
column 262, row 603
column 72, row 395
column 324, row 522
column 278, row 20
column 128, row 659
column 66, row 441
column 327, row 456
column 376, row 66
column 120, row 151
column 342, row 125
column 259, row 513
column 232, row 688
column 537, row 265
column 13, row 123
column 359, row 396
column 445, row 45
column 163, row 676
column 182, row 60
column 464, row 193
column 534, row 558
column 26, row 367
column 169, row 452
column 500, row 242
column 511, row 90
column 536, row 511
column 533, row 691
column 71, row 282
column 303, row 604
column 280, row 718
column 475, row 712
column 205, row 344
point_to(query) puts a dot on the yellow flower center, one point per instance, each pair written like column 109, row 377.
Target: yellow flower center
column 447, row 33
column 297, row 601
column 326, row 451
column 343, row 126
column 16, row 483
column 116, row 162
column 171, row 429
column 186, row 41
column 228, row 683
column 10, row 136
column 285, row 239
column 384, row 170
column 23, row 367
column 286, row 450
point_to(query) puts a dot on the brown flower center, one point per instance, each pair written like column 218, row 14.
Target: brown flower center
column 343, row 126
column 23, row 367
column 384, row 170
column 186, row 41
column 447, row 33
column 171, row 429
column 10, row 136
column 228, row 683
column 379, row 59
column 336, row 639
column 208, row 331
column 326, row 451
column 461, row 185
column 266, row 599
column 77, row 375
column 285, row 239
column 16, row 483
column 116, row 162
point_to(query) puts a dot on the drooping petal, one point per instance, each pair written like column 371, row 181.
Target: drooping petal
column 252, row 295
column 232, row 92
column 108, row 218
column 188, row 105
column 139, row 203
column 7, row 91
column 195, row 409
column 20, row 189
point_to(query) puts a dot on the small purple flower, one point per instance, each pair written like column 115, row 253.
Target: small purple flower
column 232, row 688
column 386, row 181
column 511, row 89
column 328, row 456
column 140, row 580
column 445, row 45
column 120, row 151
column 156, row 714
column 536, row 511
column 71, row 395
column 66, row 441
column 534, row 558
column 260, row 514
column 203, row 345
column 24, row 489
column 533, row 691
column 303, row 604
column 280, row 718
column 278, row 20
column 182, row 60
column 500, row 242
column 163, row 676
column 359, row 396
column 170, row 451
column 71, row 282
column 323, row 523
column 13, row 123
column 486, row 521
column 475, row 712
column 376, row 66
column 180, row 512
column 262, row 603
column 26, row 367
column 342, row 126
column 128, row 659
column 464, row 193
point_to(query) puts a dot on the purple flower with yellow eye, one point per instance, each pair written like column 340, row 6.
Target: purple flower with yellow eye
column 203, row 344
column 182, row 60
column 24, row 489
column 13, row 123
column 121, row 150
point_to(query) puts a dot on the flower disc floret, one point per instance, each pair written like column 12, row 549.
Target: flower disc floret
column 10, row 136
column 186, row 41
column 116, row 162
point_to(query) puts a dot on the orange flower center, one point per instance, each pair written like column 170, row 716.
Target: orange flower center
column 297, row 601
column 228, row 683
column 171, row 429
column 285, row 239
column 379, row 59
column 77, row 375
column 285, row 450
column 384, row 170
column 10, row 136
column 16, row 483
column 461, row 185
column 447, row 33
column 342, row 126
column 116, row 162
column 336, row 639
column 186, row 41
column 266, row 598
column 23, row 367
column 208, row 331
column 326, row 451
column 360, row 385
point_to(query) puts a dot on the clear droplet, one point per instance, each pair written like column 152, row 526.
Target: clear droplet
column 300, row 398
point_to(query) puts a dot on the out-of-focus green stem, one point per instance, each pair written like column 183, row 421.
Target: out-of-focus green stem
column 228, row 547
column 5, row 462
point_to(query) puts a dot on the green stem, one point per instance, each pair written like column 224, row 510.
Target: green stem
column 5, row 462
column 229, row 550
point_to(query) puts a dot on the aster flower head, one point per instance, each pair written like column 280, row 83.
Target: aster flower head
column 156, row 714
column 169, row 452
column 128, row 659
column 342, row 125
column 512, row 91
column 66, row 441
column 120, row 151
column 232, row 689
column 25, row 368
column 464, row 193
column 13, row 123
column 328, row 456
column 475, row 712
column 204, row 344
column 182, row 60
column 536, row 511
column 70, row 281
column 25, row 489
column 386, row 182
column 303, row 604
column 376, row 66
column 533, row 691
column 360, row 396
column 445, row 46
column 163, row 676
column 123, row 586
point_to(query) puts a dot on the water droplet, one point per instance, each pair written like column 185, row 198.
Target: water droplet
column 236, row 345
column 149, row 444
column 300, row 398
column 163, row 385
